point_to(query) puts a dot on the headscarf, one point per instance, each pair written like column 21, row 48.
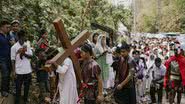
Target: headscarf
column 99, row 47
column 150, row 61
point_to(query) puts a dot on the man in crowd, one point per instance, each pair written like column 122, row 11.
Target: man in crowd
column 140, row 67
column 91, row 76
column 20, row 56
column 15, row 27
column 174, row 77
column 125, row 90
column 158, row 71
column 5, row 62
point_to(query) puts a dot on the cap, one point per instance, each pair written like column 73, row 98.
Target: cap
column 15, row 21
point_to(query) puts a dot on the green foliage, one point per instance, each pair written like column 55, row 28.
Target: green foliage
column 172, row 16
column 76, row 14
column 146, row 16
column 181, row 5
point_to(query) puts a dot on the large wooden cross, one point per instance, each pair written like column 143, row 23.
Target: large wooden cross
column 69, row 46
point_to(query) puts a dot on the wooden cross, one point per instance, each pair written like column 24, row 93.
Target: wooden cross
column 69, row 46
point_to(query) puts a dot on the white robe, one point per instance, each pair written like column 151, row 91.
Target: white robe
column 109, row 61
column 67, row 84
column 150, row 63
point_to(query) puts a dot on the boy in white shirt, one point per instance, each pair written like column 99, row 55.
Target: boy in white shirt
column 158, row 71
column 20, row 56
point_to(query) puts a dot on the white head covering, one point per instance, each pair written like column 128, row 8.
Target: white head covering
column 150, row 62
column 15, row 21
column 183, row 46
column 99, row 46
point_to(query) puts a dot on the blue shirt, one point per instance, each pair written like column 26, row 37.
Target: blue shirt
column 4, row 46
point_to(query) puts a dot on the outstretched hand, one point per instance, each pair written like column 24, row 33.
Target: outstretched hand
column 49, row 62
column 54, row 64
column 119, row 87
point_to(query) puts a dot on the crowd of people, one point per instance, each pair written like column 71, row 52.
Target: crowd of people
column 134, row 72
column 160, row 65
column 16, row 57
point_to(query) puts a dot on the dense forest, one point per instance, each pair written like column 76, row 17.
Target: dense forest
column 76, row 14
column 162, row 16
column 79, row 14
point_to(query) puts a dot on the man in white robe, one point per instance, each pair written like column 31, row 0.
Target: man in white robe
column 67, row 84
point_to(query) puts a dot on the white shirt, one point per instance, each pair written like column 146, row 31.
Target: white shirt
column 22, row 66
column 158, row 72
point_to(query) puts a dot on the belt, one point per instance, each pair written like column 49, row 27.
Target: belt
column 173, row 77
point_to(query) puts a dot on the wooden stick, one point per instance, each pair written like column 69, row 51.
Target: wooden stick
column 2, row 100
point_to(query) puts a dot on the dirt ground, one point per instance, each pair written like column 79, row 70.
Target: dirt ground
column 34, row 94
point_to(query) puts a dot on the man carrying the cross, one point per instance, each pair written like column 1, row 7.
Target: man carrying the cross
column 67, row 84
column 67, row 78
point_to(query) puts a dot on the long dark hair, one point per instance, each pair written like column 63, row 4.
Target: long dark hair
column 94, row 35
column 87, row 48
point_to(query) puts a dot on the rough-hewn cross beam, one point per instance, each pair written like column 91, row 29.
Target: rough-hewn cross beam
column 69, row 46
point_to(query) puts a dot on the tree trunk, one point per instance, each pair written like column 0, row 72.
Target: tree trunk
column 86, row 12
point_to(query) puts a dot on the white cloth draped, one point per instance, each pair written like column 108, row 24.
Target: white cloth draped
column 67, row 83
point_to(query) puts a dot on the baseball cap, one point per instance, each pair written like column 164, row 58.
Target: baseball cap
column 15, row 21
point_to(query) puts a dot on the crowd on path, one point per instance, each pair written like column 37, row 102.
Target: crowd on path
column 135, row 72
